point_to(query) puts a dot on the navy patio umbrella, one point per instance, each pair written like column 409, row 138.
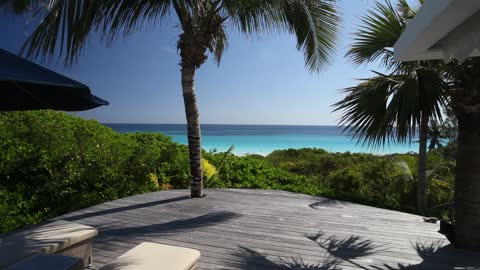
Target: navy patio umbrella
column 25, row 86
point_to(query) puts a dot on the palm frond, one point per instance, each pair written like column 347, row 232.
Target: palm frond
column 388, row 108
column 216, row 29
column 225, row 156
column 19, row 6
column 315, row 23
column 406, row 172
column 121, row 17
column 404, row 109
column 406, row 10
column 210, row 172
column 254, row 16
column 374, row 40
column 65, row 25
column 411, row 90
column 316, row 26
column 364, row 110
column 433, row 94
column 219, row 44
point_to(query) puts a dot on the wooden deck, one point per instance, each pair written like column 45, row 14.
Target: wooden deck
column 256, row 229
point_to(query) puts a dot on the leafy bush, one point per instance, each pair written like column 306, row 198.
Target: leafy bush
column 373, row 180
column 254, row 173
column 52, row 163
column 345, row 183
column 308, row 162
column 382, row 181
column 440, row 178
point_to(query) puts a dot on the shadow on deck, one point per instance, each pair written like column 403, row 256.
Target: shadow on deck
column 254, row 229
column 342, row 252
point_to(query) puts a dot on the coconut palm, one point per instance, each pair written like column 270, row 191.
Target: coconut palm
column 65, row 26
column 397, row 106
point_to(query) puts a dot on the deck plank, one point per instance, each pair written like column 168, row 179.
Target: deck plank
column 258, row 229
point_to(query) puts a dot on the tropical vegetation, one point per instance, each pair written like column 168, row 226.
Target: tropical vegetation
column 65, row 26
column 400, row 104
column 393, row 106
column 53, row 163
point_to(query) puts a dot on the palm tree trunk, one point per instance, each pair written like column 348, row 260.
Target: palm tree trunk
column 467, row 182
column 194, row 133
column 422, row 164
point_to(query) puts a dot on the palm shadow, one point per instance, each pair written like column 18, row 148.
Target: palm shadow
column 338, row 251
column 252, row 259
column 345, row 249
column 437, row 256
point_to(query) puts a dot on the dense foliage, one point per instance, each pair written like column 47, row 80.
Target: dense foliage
column 53, row 163
column 382, row 181
column 257, row 173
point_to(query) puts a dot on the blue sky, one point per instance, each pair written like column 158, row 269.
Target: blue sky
column 260, row 80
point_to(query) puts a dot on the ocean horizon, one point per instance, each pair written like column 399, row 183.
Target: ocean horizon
column 264, row 139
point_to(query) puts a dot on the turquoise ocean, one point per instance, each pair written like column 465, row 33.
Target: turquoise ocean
column 263, row 139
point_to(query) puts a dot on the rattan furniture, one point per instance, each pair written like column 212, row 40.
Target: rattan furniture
column 61, row 237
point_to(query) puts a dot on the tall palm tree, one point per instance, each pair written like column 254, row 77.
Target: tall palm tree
column 66, row 24
column 462, row 95
column 398, row 106
column 464, row 81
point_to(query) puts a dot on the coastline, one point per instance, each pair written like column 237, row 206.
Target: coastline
column 264, row 139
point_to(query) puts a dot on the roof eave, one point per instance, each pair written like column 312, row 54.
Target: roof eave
column 434, row 20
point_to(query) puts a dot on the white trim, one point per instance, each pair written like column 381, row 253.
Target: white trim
column 435, row 20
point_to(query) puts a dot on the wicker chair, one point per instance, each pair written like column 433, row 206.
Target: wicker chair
column 55, row 237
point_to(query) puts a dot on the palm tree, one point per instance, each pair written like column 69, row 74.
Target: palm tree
column 65, row 26
column 397, row 106
column 375, row 115
column 464, row 81
column 434, row 135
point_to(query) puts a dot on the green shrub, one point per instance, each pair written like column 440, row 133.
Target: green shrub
column 53, row 163
column 344, row 184
column 254, row 173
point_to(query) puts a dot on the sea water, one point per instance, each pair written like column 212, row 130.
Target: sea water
column 263, row 139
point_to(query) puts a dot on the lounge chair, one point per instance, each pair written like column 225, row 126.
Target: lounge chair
column 55, row 237
column 152, row 256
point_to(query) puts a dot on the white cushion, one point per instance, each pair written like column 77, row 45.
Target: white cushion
column 47, row 238
column 152, row 256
